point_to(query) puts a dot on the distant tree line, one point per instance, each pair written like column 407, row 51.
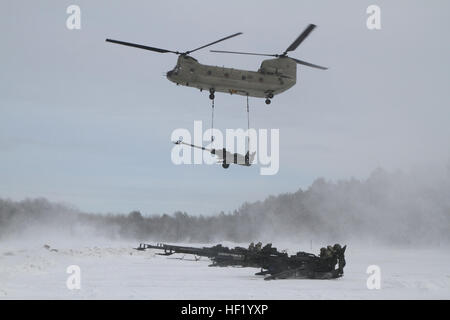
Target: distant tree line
column 387, row 207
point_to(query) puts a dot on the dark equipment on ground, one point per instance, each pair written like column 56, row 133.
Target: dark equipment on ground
column 273, row 263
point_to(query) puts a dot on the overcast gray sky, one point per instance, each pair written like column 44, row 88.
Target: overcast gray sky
column 89, row 123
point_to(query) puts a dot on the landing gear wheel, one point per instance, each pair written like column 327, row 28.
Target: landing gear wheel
column 268, row 101
column 270, row 95
column 211, row 91
column 225, row 165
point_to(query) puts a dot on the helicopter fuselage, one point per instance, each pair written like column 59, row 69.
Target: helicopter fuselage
column 273, row 77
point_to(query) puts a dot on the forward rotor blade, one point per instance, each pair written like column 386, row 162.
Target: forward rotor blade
column 309, row 64
column 129, row 44
column 248, row 53
column 210, row 44
column 300, row 38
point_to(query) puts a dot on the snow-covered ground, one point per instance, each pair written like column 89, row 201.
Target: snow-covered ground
column 116, row 271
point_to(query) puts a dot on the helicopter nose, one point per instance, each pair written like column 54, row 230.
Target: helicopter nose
column 169, row 74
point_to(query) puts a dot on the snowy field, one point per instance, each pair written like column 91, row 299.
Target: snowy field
column 116, row 271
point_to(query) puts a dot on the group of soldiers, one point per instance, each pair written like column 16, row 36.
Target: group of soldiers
column 329, row 263
column 330, row 251
column 334, row 255
column 259, row 248
column 325, row 252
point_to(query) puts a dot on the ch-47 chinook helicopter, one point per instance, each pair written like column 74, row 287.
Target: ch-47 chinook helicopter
column 273, row 77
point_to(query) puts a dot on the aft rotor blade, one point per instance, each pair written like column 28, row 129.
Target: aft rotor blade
column 300, row 38
column 248, row 53
column 309, row 64
column 129, row 44
column 210, row 44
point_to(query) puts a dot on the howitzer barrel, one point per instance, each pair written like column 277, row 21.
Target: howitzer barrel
column 170, row 249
